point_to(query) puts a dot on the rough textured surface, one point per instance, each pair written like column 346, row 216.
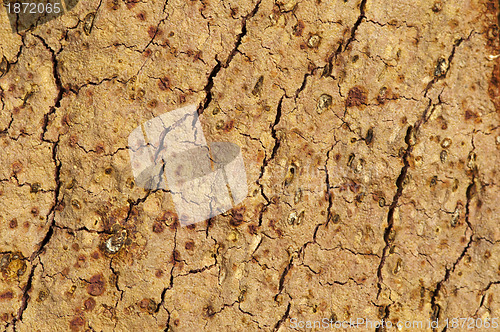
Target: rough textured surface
column 370, row 133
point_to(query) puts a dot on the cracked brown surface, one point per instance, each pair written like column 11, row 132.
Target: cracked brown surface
column 371, row 139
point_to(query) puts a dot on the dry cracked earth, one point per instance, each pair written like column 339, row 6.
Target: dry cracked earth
column 371, row 140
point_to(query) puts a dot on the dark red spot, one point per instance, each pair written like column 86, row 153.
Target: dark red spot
column 174, row 225
column 76, row 323
column 60, row 206
column 191, row 226
column 131, row 4
column 7, row 295
column 357, row 96
column 189, row 245
column 95, row 255
column 115, row 4
column 470, row 115
column 167, row 216
column 73, row 140
column 144, row 304
column 298, row 28
column 141, row 16
column 158, row 227
column 237, row 217
column 164, row 83
column 89, row 304
column 491, row 6
column 99, row 148
column 252, row 229
column 153, row 103
column 494, row 86
column 13, row 223
column 96, row 286
column 17, row 167
column 159, row 273
column 229, row 125
column 152, row 31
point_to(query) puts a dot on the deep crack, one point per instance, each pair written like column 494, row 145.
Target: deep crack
column 215, row 71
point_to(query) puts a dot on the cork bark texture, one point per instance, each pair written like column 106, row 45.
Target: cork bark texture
column 371, row 140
